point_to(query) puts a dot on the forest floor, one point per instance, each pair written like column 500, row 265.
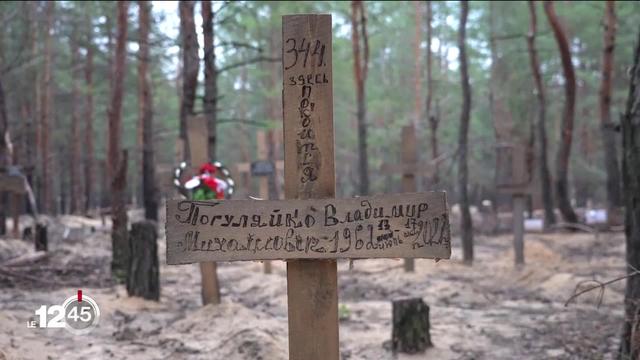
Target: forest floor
column 491, row 310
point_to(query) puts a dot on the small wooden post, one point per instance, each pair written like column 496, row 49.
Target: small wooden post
column 41, row 240
column 16, row 199
column 309, row 173
column 197, row 132
column 519, row 202
column 409, row 160
column 263, row 154
column 513, row 177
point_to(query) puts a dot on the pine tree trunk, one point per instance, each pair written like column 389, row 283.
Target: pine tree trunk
column 417, row 71
column 5, row 157
column 431, row 117
column 630, row 346
column 75, row 179
column 466, row 230
column 540, row 122
column 88, row 131
column 31, row 138
column 274, row 111
column 190, row 68
column 210, row 75
column 145, row 99
column 614, row 198
column 118, row 164
column 360, row 65
column 568, row 114
column 46, row 198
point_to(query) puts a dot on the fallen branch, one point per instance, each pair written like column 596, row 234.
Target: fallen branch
column 26, row 258
column 599, row 285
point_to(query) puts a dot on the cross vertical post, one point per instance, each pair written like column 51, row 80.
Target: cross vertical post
column 197, row 134
column 309, row 174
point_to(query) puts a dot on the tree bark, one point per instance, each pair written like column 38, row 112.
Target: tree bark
column 5, row 157
column 46, row 103
column 466, row 229
column 210, row 75
column 144, row 270
column 75, row 165
column 540, row 122
column 360, row 67
column 145, row 100
column 614, row 198
column 431, row 117
column 411, row 326
column 417, row 75
column 630, row 125
column 190, row 68
column 568, row 114
column 88, row 131
column 118, row 165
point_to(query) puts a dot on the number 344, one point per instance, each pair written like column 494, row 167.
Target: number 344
column 58, row 319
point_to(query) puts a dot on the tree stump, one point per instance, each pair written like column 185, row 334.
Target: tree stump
column 410, row 326
column 41, row 240
column 143, row 278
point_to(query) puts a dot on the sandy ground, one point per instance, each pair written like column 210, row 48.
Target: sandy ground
column 490, row 310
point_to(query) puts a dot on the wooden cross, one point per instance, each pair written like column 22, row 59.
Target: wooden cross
column 513, row 177
column 250, row 168
column 409, row 167
column 310, row 228
column 16, row 185
column 198, row 134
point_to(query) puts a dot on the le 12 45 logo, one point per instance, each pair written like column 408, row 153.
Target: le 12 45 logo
column 77, row 314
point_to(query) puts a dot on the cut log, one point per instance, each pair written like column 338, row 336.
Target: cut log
column 143, row 276
column 26, row 259
column 410, row 326
column 41, row 241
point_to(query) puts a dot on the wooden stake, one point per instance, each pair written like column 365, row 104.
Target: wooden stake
column 309, row 173
column 263, row 154
column 518, row 227
column 409, row 159
column 16, row 199
column 197, row 136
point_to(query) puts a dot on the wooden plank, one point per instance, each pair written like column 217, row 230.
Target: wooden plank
column 312, row 286
column 197, row 134
column 13, row 184
column 411, row 225
column 409, row 157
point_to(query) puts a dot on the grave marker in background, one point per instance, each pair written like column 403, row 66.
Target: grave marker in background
column 197, row 134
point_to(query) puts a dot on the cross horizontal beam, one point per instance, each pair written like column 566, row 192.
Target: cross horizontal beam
column 410, row 225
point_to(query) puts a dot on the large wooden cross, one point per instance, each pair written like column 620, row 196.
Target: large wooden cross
column 310, row 229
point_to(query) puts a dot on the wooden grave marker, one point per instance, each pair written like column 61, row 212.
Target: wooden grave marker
column 409, row 167
column 197, row 135
column 310, row 228
column 513, row 177
column 261, row 169
column 14, row 183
